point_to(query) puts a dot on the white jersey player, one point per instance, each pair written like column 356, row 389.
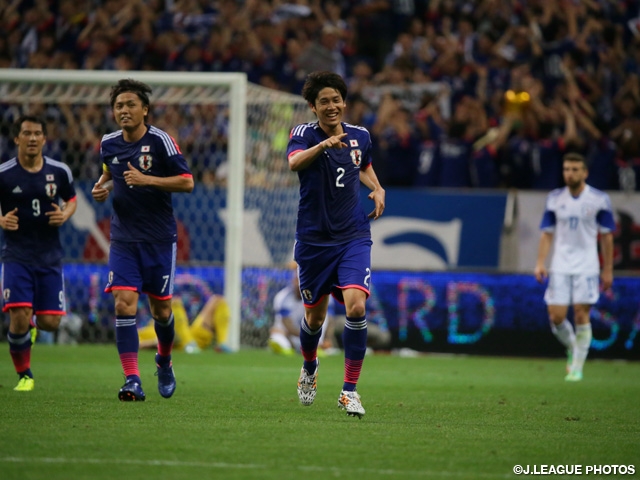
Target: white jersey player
column 288, row 310
column 574, row 217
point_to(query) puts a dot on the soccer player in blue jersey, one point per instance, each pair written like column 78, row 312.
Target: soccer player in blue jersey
column 142, row 166
column 573, row 219
column 36, row 197
column 333, row 235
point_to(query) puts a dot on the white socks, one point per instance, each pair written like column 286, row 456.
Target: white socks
column 578, row 342
column 564, row 333
column 583, row 342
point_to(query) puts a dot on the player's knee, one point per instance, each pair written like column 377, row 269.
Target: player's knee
column 314, row 321
column 554, row 321
column 48, row 323
column 356, row 310
column 161, row 315
column 581, row 314
column 19, row 318
column 125, row 307
column 556, row 317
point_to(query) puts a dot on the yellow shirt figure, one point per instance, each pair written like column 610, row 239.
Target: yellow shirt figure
column 210, row 326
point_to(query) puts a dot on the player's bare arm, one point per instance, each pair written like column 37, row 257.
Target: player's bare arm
column 58, row 215
column 606, row 246
column 540, row 271
column 369, row 178
column 10, row 220
column 177, row 183
column 103, row 186
column 301, row 160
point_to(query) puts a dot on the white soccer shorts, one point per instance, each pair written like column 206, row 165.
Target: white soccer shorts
column 567, row 290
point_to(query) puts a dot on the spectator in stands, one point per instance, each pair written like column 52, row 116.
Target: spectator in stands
column 586, row 47
column 324, row 53
column 398, row 143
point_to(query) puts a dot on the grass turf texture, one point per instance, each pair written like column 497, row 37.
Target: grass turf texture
column 238, row 417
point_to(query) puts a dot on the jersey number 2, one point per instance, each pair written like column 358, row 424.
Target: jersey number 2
column 340, row 171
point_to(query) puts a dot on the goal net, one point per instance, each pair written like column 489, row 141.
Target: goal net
column 233, row 134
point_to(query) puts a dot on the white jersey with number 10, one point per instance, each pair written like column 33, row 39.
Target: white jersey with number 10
column 575, row 223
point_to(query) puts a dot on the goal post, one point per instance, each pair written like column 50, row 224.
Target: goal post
column 254, row 155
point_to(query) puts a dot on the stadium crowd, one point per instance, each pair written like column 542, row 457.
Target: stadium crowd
column 456, row 93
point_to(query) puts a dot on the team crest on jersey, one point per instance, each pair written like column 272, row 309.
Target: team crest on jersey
column 51, row 189
column 145, row 162
column 356, row 157
column 49, row 177
column 6, row 294
column 306, row 293
column 589, row 210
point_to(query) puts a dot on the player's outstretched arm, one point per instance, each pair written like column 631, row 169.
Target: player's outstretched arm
column 301, row 160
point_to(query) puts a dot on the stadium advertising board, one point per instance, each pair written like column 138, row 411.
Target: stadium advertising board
column 426, row 230
column 494, row 314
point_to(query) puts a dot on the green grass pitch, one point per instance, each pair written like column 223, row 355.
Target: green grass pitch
column 238, row 417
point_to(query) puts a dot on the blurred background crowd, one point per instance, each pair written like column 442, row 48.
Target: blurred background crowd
column 456, row 93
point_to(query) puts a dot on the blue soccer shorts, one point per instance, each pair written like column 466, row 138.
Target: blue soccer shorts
column 142, row 267
column 325, row 270
column 38, row 287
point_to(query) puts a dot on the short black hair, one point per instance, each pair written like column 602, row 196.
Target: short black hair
column 576, row 157
column 142, row 90
column 316, row 81
column 17, row 125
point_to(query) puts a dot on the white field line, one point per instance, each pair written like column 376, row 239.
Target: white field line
column 239, row 466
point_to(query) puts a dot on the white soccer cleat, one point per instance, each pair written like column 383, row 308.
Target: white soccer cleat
column 569, row 359
column 573, row 376
column 350, row 401
column 307, row 386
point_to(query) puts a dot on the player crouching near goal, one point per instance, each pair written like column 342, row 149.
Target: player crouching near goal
column 37, row 196
column 573, row 218
column 333, row 234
